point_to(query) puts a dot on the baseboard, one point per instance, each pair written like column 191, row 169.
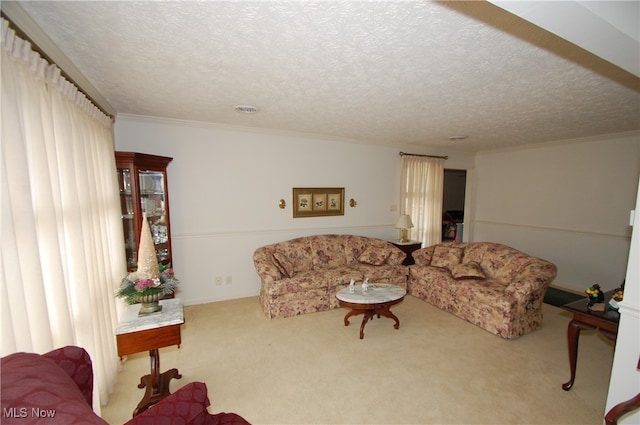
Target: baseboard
column 565, row 289
column 559, row 297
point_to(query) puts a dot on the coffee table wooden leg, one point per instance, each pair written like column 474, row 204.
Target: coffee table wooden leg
column 367, row 315
column 370, row 310
column 351, row 313
column 387, row 313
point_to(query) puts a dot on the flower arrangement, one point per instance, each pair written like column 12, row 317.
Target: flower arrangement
column 152, row 280
column 134, row 287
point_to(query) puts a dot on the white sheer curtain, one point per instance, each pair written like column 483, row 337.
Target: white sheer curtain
column 421, row 197
column 61, row 235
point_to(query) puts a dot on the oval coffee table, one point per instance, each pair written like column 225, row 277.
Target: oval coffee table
column 376, row 301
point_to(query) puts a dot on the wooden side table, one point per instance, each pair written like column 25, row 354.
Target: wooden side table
column 150, row 333
column 408, row 248
column 583, row 318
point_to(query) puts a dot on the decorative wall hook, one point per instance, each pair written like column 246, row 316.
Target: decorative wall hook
column 352, row 203
column 282, row 204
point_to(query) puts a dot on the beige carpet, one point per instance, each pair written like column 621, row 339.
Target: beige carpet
column 436, row 369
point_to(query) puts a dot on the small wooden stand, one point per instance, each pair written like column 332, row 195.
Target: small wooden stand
column 157, row 383
column 150, row 333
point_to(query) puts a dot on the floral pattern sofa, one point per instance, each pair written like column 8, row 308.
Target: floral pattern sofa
column 488, row 284
column 302, row 275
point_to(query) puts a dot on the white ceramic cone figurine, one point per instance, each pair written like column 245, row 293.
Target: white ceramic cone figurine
column 147, row 260
column 352, row 286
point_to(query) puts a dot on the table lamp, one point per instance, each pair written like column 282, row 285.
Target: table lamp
column 404, row 223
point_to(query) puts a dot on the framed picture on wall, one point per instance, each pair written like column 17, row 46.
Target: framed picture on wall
column 303, row 202
column 318, row 201
column 334, row 201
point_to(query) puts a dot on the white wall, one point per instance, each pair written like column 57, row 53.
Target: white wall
column 224, row 187
column 625, row 377
column 566, row 202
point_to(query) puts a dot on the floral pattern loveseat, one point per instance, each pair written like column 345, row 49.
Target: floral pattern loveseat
column 488, row 284
column 302, row 275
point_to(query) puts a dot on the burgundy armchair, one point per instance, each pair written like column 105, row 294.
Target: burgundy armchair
column 58, row 386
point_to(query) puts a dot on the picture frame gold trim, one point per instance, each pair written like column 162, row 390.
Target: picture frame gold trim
column 318, row 201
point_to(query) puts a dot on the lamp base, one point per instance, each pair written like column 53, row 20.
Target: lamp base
column 404, row 235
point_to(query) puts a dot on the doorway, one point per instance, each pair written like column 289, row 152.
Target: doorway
column 453, row 204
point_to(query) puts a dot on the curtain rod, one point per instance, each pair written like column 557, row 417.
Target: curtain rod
column 26, row 28
column 428, row 156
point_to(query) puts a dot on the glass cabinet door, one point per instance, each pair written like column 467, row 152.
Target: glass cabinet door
column 143, row 192
column 153, row 204
column 128, row 215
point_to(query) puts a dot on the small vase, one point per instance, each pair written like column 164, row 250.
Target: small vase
column 149, row 304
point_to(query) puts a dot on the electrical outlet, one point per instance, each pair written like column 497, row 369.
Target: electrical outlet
column 228, row 280
column 218, row 280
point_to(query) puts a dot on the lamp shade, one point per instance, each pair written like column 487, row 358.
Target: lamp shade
column 404, row 222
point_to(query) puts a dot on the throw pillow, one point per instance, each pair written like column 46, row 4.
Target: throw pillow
column 284, row 265
column 446, row 256
column 374, row 255
column 471, row 270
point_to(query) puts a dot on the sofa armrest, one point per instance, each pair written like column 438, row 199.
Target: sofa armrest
column 397, row 256
column 76, row 363
column 38, row 382
column 187, row 406
column 531, row 282
column 265, row 267
column 422, row 256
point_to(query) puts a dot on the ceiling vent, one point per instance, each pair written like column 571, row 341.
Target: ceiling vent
column 246, row 109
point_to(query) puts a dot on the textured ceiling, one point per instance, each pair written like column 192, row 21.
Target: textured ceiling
column 406, row 73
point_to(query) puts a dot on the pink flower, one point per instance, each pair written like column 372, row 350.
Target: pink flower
column 168, row 272
column 141, row 285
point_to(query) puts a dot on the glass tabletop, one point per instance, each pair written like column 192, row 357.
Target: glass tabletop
column 582, row 306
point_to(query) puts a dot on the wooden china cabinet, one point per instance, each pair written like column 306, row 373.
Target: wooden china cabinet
column 143, row 189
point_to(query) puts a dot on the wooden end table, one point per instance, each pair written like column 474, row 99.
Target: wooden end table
column 150, row 333
column 408, row 248
column 583, row 318
column 376, row 301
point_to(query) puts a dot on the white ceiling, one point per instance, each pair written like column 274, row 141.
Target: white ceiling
column 402, row 73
